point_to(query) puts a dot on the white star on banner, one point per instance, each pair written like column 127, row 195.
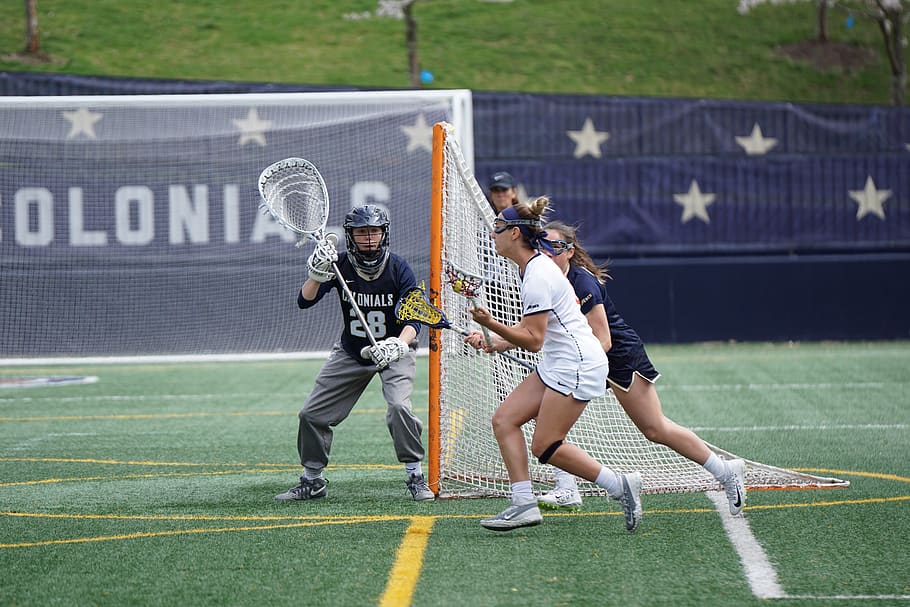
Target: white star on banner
column 870, row 200
column 694, row 203
column 756, row 144
column 252, row 128
column 420, row 135
column 588, row 139
column 82, row 121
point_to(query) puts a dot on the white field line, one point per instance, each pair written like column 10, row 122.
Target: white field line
column 854, row 385
column 296, row 395
column 171, row 358
column 30, row 443
column 758, row 569
column 165, row 397
column 852, row 597
column 799, row 427
column 760, row 573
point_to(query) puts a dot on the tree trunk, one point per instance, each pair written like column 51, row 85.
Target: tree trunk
column 411, row 24
column 32, row 43
column 891, row 26
column 821, row 21
column 899, row 75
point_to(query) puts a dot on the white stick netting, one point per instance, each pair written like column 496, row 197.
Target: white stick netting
column 473, row 384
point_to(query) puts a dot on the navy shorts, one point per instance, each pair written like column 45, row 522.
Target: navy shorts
column 624, row 366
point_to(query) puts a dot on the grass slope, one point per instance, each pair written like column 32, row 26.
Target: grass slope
column 701, row 49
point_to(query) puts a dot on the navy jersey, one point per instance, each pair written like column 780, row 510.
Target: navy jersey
column 591, row 292
column 376, row 299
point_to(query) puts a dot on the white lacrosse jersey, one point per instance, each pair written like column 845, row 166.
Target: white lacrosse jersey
column 573, row 359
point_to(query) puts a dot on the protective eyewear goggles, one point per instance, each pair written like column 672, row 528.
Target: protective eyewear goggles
column 501, row 225
column 560, row 246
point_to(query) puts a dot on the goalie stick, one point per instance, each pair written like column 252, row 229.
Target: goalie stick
column 294, row 192
column 414, row 306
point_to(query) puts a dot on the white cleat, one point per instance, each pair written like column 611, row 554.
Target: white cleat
column 560, row 499
column 513, row 517
column 735, row 485
column 631, row 500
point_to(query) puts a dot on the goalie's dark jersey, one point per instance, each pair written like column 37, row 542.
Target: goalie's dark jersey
column 376, row 299
column 591, row 292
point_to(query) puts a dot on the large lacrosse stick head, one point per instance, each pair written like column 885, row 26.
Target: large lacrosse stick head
column 415, row 306
column 369, row 262
column 463, row 282
column 295, row 194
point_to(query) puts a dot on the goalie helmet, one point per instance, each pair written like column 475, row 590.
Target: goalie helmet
column 369, row 264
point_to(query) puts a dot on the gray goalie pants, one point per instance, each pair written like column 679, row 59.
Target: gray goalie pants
column 340, row 383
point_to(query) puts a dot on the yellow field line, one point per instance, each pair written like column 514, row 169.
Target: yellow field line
column 70, row 460
column 45, row 481
column 269, row 469
column 360, row 518
column 150, row 534
column 425, row 523
column 408, row 563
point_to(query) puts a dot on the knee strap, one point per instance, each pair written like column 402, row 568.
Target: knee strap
column 548, row 452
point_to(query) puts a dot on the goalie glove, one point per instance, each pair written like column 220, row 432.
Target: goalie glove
column 320, row 261
column 387, row 351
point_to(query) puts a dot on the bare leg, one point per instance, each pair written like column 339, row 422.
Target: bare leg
column 643, row 407
column 556, row 417
column 519, row 407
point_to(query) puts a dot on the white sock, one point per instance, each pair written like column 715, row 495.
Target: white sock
column 312, row 474
column 609, row 480
column 522, row 493
column 564, row 480
column 717, row 467
column 412, row 468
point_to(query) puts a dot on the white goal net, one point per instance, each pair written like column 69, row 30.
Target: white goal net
column 129, row 225
column 467, row 386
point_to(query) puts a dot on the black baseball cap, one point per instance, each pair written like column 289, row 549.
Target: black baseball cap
column 502, row 180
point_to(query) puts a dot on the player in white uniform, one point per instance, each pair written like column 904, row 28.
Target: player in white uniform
column 573, row 371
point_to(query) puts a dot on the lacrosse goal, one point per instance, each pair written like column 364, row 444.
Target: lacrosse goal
column 466, row 386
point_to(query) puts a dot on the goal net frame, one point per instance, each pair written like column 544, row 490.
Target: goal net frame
column 466, row 386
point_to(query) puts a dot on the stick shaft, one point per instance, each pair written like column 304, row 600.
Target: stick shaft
column 486, row 332
column 514, row 359
column 318, row 236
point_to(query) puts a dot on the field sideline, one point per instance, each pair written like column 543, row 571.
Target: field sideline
column 153, row 485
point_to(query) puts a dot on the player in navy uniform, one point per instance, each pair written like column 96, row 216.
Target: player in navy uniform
column 377, row 278
column 631, row 376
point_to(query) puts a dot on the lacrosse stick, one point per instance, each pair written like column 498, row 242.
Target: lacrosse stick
column 294, row 192
column 414, row 306
column 469, row 285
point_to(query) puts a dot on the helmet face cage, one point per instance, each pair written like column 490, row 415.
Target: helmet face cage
column 370, row 263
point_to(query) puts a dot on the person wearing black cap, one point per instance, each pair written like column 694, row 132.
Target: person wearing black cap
column 502, row 191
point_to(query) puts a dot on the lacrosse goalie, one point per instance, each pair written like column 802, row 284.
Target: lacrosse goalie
column 377, row 279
